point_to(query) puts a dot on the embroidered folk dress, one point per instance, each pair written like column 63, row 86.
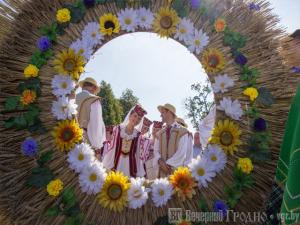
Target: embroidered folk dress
column 124, row 153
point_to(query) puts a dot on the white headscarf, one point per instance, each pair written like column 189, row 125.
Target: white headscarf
column 126, row 121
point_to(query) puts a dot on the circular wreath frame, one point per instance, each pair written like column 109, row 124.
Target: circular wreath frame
column 26, row 205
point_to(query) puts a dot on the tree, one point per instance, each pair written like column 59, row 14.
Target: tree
column 112, row 111
column 128, row 100
column 199, row 106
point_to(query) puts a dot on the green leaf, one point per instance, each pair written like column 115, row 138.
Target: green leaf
column 72, row 211
column 77, row 11
column 40, row 177
column 9, row 123
column 75, row 220
column 203, row 205
column 145, row 3
column 20, row 122
column 69, row 197
column 11, row 103
column 232, row 195
column 234, row 39
column 242, row 180
column 265, row 97
column 121, row 3
column 179, row 7
column 53, row 211
column 49, row 31
column 45, row 157
column 100, row 1
column 252, row 111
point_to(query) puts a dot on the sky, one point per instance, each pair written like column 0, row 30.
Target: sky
column 159, row 70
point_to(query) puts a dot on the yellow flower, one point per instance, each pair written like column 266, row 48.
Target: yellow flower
column 63, row 15
column 227, row 135
column 165, row 22
column 183, row 182
column 213, row 60
column 54, row 187
column 69, row 63
column 28, row 97
column 31, row 71
column 220, row 25
column 66, row 134
column 251, row 92
column 109, row 24
column 114, row 192
column 245, row 164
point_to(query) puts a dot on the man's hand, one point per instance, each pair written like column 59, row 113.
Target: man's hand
column 164, row 166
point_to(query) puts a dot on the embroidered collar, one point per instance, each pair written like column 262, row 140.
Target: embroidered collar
column 126, row 136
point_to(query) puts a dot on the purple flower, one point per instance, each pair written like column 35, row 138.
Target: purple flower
column 195, row 4
column 29, row 147
column 89, row 3
column 253, row 6
column 220, row 206
column 296, row 69
column 260, row 124
column 241, row 59
column 44, row 43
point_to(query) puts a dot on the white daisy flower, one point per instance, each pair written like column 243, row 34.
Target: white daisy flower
column 202, row 171
column 82, row 47
column 162, row 191
column 215, row 156
column 145, row 18
column 92, row 177
column 91, row 34
column 184, row 30
column 137, row 193
column 62, row 85
column 222, row 83
column 197, row 41
column 128, row 19
column 81, row 157
column 232, row 109
column 64, row 108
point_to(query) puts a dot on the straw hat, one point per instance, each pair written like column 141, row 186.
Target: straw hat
column 169, row 107
column 181, row 122
column 91, row 81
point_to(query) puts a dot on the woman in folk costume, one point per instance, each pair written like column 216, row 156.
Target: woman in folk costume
column 189, row 153
column 145, row 141
column 90, row 114
column 124, row 152
column 107, row 142
column 172, row 144
column 151, row 172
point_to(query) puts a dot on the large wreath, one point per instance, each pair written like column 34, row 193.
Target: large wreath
column 48, row 175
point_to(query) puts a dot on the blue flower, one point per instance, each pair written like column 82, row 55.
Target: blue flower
column 89, row 3
column 295, row 69
column 220, row 206
column 260, row 124
column 29, row 147
column 241, row 59
column 195, row 4
column 253, row 6
column 44, row 43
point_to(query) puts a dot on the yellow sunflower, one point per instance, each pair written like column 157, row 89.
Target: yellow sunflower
column 109, row 24
column 165, row 22
column 183, row 182
column 213, row 60
column 227, row 135
column 66, row 134
column 114, row 192
column 69, row 63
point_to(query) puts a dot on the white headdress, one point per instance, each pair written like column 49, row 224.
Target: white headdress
column 126, row 121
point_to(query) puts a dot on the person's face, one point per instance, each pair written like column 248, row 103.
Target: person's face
column 154, row 131
column 145, row 129
column 108, row 135
column 135, row 119
column 197, row 139
column 91, row 88
column 165, row 115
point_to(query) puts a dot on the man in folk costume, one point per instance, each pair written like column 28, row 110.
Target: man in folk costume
column 107, row 142
column 90, row 113
column 125, row 149
column 172, row 144
column 151, row 172
column 189, row 153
